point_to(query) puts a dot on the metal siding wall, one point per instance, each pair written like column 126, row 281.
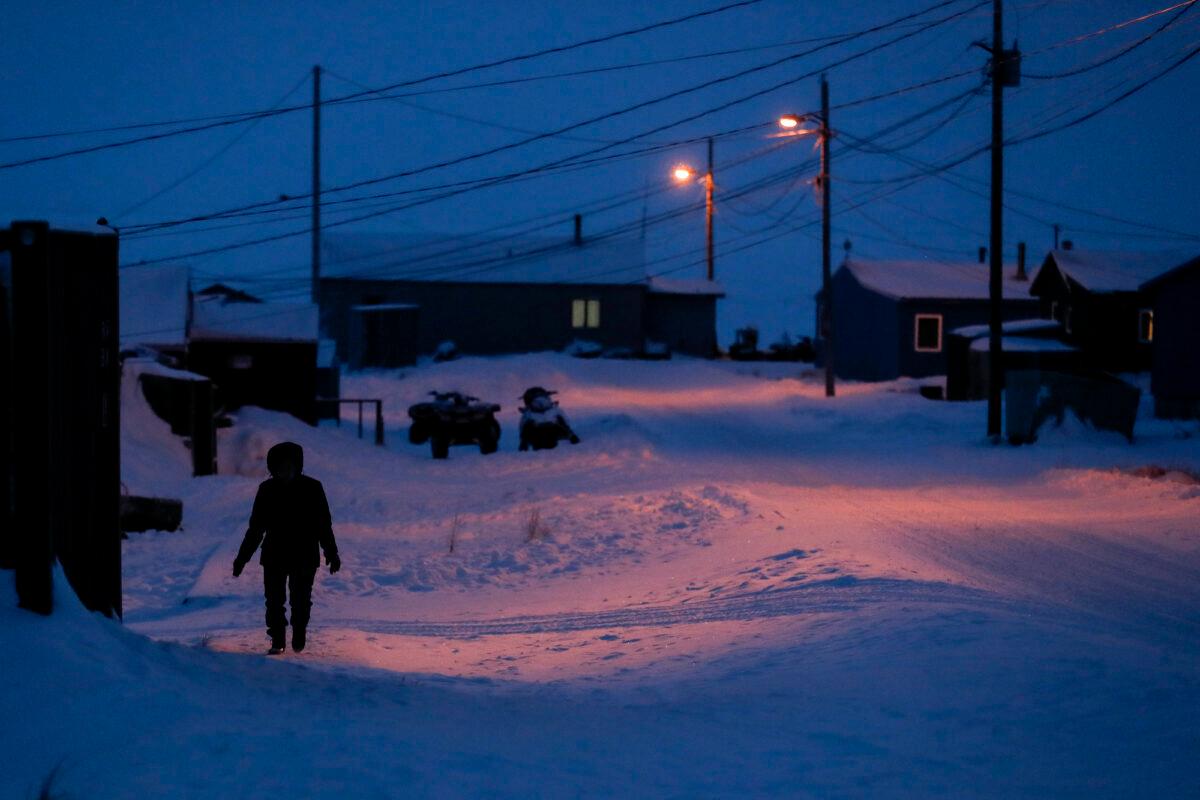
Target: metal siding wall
column 685, row 323
column 492, row 318
column 864, row 331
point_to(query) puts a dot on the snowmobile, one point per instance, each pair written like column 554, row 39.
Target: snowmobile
column 454, row 418
column 542, row 421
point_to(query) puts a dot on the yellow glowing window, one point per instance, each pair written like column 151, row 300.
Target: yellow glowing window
column 585, row 313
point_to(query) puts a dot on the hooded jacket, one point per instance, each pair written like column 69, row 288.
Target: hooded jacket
column 290, row 518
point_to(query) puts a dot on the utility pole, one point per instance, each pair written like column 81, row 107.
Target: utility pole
column 996, row 276
column 826, row 211
column 708, row 208
column 316, row 186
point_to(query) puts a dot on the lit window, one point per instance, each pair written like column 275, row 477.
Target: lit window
column 1146, row 326
column 585, row 313
column 928, row 333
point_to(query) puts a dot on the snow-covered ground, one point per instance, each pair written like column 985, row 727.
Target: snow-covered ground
column 732, row 587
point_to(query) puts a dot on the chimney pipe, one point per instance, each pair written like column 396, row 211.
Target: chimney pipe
column 1021, row 262
column 578, row 229
column 983, row 255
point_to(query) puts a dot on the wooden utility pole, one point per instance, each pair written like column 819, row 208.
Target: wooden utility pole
column 316, row 185
column 826, row 211
column 708, row 208
column 996, row 245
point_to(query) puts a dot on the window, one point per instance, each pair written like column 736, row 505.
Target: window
column 1068, row 319
column 241, row 361
column 1054, row 311
column 1146, row 326
column 585, row 313
column 928, row 334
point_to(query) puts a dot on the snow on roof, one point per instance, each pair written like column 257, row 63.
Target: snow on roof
column 1013, row 326
column 148, row 366
column 368, row 308
column 932, row 279
column 1117, row 271
column 153, row 304
column 478, row 259
column 1019, row 344
column 695, row 286
column 213, row 318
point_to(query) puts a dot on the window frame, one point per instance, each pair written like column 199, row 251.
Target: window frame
column 1144, row 313
column 917, row 332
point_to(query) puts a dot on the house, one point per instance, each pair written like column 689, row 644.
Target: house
column 493, row 296
column 256, row 353
column 1099, row 298
column 890, row 318
column 1174, row 329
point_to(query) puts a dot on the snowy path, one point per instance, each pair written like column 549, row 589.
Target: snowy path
column 739, row 588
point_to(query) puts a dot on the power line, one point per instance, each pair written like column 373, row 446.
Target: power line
column 241, row 118
column 643, row 104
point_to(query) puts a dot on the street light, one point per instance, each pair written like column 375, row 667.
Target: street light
column 682, row 174
column 791, row 124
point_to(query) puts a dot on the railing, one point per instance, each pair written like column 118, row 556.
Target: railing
column 360, row 402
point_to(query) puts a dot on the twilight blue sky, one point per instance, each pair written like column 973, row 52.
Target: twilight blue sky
column 68, row 66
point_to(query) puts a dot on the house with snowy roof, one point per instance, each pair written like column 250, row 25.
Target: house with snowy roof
column 891, row 318
column 255, row 353
column 490, row 295
column 1100, row 299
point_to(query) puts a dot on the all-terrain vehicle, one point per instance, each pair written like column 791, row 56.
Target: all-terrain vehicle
column 543, row 423
column 454, row 418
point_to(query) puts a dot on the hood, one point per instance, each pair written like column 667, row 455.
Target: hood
column 283, row 452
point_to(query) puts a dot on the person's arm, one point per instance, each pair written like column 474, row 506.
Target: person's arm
column 324, row 522
column 254, row 533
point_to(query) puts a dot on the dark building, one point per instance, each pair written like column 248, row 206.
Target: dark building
column 1099, row 299
column 60, row 479
column 255, row 353
column 891, row 317
column 491, row 297
column 1174, row 329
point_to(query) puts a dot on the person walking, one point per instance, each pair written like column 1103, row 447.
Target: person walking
column 291, row 521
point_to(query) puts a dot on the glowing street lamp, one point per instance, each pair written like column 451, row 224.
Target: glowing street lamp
column 684, row 174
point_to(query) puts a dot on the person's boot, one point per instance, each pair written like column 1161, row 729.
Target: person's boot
column 298, row 635
column 277, row 646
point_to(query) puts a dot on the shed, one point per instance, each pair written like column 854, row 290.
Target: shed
column 513, row 295
column 1098, row 297
column 967, row 353
column 1174, row 328
column 261, row 354
column 891, row 317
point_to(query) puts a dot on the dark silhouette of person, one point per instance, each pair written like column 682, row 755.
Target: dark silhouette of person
column 291, row 520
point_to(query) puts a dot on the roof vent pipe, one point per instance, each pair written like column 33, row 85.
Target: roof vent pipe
column 1021, row 262
column 1067, row 244
column 983, row 255
column 578, row 229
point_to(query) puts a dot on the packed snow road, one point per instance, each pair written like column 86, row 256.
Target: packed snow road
column 732, row 586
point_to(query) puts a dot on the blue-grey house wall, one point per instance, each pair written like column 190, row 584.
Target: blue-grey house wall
column 874, row 334
column 864, row 331
column 490, row 318
column 955, row 314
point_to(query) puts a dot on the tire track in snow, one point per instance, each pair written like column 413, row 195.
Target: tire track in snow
column 825, row 597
